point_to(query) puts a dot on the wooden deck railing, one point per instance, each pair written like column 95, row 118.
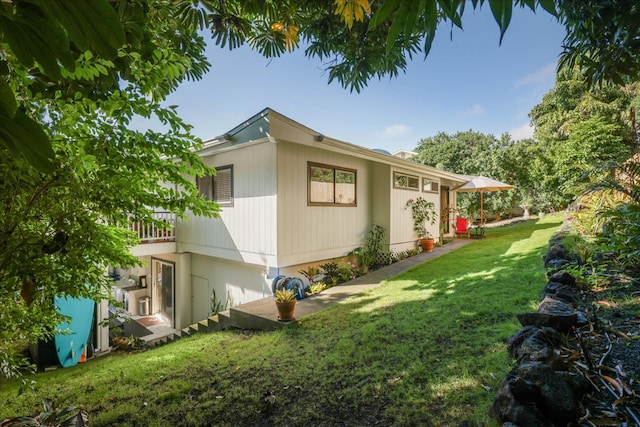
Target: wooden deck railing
column 150, row 233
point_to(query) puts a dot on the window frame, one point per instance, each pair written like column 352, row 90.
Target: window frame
column 401, row 187
column 211, row 193
column 432, row 182
column 334, row 168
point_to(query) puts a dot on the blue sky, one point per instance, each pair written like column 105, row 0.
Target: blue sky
column 468, row 82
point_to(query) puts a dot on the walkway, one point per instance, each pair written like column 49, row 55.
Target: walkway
column 262, row 314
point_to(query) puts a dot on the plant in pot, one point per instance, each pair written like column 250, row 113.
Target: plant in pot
column 423, row 212
column 286, row 304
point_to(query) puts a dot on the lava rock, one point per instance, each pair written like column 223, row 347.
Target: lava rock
column 556, row 264
column 561, row 291
column 563, row 277
column 559, row 322
column 558, row 403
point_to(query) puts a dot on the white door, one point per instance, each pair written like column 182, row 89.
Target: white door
column 200, row 298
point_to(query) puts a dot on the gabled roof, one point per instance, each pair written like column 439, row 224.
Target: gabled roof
column 268, row 125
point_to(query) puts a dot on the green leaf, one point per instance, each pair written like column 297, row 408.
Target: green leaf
column 90, row 24
column 387, row 8
column 399, row 22
column 23, row 136
column 8, row 105
column 431, row 24
column 549, row 6
column 502, row 11
column 450, row 11
column 19, row 40
column 411, row 19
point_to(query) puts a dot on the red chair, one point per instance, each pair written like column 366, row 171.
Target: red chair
column 462, row 226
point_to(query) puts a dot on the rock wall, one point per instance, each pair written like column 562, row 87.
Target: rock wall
column 540, row 390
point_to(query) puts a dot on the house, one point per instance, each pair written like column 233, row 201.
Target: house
column 290, row 197
column 404, row 154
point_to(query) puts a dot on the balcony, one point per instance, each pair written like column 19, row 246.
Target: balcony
column 151, row 233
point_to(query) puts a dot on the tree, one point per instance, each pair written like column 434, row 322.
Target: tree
column 603, row 40
column 59, row 230
column 470, row 153
column 577, row 131
column 360, row 40
column 466, row 152
column 73, row 73
column 74, row 49
column 357, row 39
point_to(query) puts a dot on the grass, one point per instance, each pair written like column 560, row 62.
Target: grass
column 425, row 348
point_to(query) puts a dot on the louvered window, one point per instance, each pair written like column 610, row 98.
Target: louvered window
column 218, row 188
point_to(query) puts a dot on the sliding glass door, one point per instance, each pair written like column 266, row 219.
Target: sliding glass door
column 163, row 289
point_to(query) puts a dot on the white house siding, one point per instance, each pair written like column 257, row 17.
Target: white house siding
column 401, row 234
column 380, row 195
column 245, row 231
column 311, row 233
column 241, row 282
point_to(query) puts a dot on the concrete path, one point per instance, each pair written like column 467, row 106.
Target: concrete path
column 262, row 314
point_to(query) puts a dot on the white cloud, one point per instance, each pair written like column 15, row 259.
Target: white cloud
column 393, row 131
column 475, row 111
column 522, row 132
column 541, row 75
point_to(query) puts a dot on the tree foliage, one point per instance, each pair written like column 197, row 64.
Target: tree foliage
column 86, row 48
column 578, row 130
column 74, row 73
column 357, row 40
column 59, row 230
column 472, row 153
column 603, row 39
column 360, row 40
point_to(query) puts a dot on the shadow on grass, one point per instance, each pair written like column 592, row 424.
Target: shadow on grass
column 424, row 348
column 428, row 347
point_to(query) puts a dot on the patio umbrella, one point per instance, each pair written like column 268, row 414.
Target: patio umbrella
column 480, row 184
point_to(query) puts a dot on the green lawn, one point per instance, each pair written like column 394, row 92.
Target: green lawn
column 425, row 348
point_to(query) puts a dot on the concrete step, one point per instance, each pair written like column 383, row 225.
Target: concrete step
column 214, row 325
column 261, row 314
column 224, row 319
column 203, row 325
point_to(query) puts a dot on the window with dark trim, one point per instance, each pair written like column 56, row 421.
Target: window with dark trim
column 218, row 188
column 429, row 185
column 330, row 185
column 404, row 181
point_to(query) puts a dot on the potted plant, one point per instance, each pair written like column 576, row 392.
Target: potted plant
column 423, row 212
column 286, row 304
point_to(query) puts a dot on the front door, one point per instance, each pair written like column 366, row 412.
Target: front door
column 446, row 209
column 163, row 289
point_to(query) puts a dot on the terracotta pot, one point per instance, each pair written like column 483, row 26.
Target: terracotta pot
column 285, row 310
column 427, row 244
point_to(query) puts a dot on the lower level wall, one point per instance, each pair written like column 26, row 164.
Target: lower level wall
column 233, row 283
